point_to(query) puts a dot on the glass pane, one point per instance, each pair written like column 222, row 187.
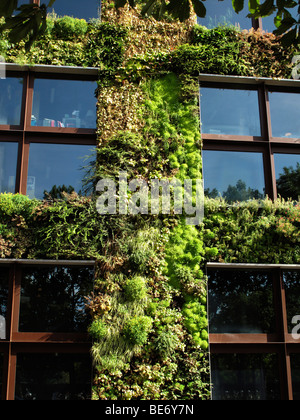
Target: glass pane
column 52, row 299
column 222, row 13
column 295, row 367
column 236, row 176
column 57, row 167
column 240, row 302
column 4, row 279
column 53, row 377
column 230, row 111
column 64, row 103
column 8, row 166
column 11, row 90
column 87, row 9
column 284, row 108
column 287, row 170
column 245, row 377
column 292, row 294
column 1, row 373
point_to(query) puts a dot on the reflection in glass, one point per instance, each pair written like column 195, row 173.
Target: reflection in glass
column 240, row 302
column 88, row 9
column 236, row 176
column 64, row 103
column 291, row 281
column 1, row 373
column 53, row 377
column 222, row 13
column 295, row 367
column 285, row 118
column 245, row 377
column 57, row 167
column 8, row 166
column 287, row 170
column 52, row 299
column 230, row 111
column 4, row 276
column 11, row 90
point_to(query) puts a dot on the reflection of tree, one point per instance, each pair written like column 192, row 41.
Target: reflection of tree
column 56, row 192
column 53, row 300
column 245, row 377
column 239, row 192
column 240, row 302
column 3, row 291
column 288, row 183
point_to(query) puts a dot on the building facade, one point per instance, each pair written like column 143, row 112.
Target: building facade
column 145, row 306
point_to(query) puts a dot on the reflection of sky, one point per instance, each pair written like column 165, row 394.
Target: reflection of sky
column 56, row 164
column 221, row 169
column 285, row 160
column 68, row 102
column 285, row 114
column 82, row 9
column 8, row 166
column 230, row 111
column 222, row 13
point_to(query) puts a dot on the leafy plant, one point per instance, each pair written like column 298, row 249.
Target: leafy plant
column 137, row 329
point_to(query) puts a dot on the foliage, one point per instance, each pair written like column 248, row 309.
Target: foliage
column 284, row 22
column 71, row 42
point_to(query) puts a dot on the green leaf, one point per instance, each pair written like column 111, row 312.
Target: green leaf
column 286, row 24
column 267, row 8
column 199, row 8
column 179, row 9
column 253, row 5
column 7, row 7
column 238, row 5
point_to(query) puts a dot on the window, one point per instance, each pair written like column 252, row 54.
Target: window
column 64, row 103
column 11, row 101
column 254, row 351
column 8, row 166
column 236, row 176
column 287, row 169
column 284, row 108
column 48, row 130
column 245, row 377
column 4, row 280
column 222, row 13
column 55, row 166
column 53, row 377
column 250, row 131
column 87, row 9
column 52, row 299
column 230, row 111
column 45, row 346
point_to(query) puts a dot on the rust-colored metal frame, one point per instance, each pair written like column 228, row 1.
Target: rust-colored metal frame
column 18, row 342
column 25, row 134
column 281, row 342
column 265, row 144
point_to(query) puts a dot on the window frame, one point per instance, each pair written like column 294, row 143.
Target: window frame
column 266, row 144
column 33, row 342
column 25, row 134
column 280, row 342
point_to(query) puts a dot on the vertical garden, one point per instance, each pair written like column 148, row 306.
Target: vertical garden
column 149, row 306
